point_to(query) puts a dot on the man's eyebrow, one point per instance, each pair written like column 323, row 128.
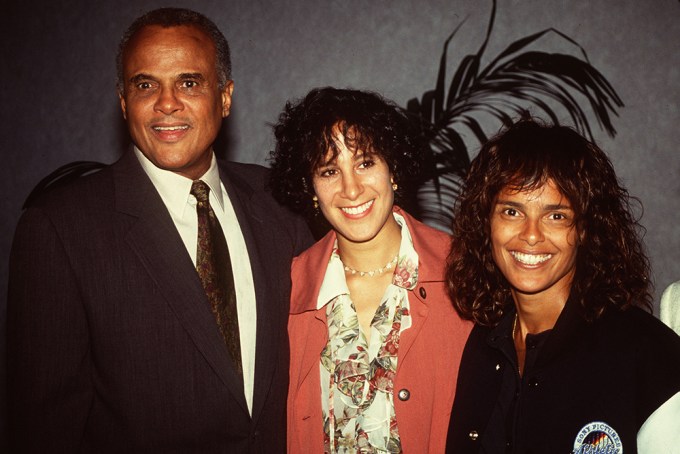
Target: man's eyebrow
column 195, row 76
column 137, row 78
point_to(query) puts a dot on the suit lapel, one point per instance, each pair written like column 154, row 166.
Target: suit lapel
column 251, row 215
column 155, row 240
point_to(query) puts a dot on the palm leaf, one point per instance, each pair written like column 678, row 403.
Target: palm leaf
column 517, row 79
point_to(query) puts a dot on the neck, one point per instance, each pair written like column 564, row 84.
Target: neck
column 372, row 254
column 539, row 311
column 536, row 318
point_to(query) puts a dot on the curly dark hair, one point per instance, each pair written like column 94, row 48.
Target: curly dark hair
column 304, row 135
column 612, row 270
column 175, row 17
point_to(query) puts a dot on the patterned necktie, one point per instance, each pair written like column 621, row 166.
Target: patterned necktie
column 214, row 268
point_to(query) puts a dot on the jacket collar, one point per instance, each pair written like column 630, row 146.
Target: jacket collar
column 569, row 329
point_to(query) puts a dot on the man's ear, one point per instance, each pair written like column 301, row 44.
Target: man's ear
column 226, row 97
column 122, row 105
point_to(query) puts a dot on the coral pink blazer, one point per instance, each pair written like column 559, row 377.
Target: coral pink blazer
column 429, row 351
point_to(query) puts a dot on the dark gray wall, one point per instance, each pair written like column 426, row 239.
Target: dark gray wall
column 59, row 103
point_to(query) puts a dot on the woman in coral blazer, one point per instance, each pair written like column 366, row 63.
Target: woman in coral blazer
column 375, row 342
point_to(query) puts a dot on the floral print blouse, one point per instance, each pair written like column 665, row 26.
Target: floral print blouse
column 357, row 377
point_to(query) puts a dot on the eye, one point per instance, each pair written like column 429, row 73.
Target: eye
column 559, row 216
column 510, row 212
column 328, row 172
column 188, row 84
column 144, row 85
column 366, row 163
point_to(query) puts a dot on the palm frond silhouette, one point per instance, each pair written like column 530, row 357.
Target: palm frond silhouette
column 516, row 80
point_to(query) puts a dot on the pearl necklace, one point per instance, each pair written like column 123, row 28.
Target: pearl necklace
column 388, row 266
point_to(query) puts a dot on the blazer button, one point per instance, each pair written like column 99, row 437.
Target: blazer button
column 473, row 435
column 423, row 293
column 533, row 383
column 404, row 394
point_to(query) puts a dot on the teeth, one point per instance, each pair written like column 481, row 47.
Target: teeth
column 170, row 128
column 530, row 259
column 358, row 210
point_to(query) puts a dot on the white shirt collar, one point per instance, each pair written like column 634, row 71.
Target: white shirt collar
column 174, row 189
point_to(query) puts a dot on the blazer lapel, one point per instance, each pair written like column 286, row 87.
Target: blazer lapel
column 315, row 339
column 419, row 313
column 428, row 281
column 159, row 246
column 311, row 335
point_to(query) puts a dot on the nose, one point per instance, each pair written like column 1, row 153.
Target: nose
column 351, row 186
column 167, row 101
column 532, row 232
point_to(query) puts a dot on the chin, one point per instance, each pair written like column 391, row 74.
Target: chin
column 357, row 237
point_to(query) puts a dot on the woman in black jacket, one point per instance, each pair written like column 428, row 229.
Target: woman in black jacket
column 549, row 263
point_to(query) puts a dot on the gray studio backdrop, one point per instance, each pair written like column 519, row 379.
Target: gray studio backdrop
column 59, row 103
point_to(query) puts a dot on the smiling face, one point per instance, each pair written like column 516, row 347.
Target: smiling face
column 534, row 243
column 171, row 100
column 355, row 194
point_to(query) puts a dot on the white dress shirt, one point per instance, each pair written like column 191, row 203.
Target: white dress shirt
column 175, row 190
column 669, row 308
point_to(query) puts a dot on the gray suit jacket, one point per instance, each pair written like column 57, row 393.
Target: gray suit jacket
column 111, row 343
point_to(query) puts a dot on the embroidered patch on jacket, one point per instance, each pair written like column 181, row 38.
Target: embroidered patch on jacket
column 597, row 438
